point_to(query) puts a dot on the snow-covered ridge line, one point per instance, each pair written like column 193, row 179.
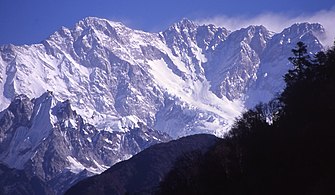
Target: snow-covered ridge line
column 107, row 69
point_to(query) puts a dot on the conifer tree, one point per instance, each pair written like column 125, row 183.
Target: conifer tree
column 301, row 62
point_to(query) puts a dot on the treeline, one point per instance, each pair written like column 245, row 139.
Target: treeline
column 286, row 146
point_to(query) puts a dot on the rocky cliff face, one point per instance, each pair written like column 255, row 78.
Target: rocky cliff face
column 50, row 141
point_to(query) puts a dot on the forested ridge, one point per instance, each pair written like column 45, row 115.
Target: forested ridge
column 286, row 146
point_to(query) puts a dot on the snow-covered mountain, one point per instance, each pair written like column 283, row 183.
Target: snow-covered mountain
column 100, row 92
column 108, row 71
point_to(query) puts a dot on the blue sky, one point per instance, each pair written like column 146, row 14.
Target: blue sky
column 31, row 21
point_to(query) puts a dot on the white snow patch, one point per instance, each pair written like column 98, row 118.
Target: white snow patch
column 75, row 165
column 108, row 141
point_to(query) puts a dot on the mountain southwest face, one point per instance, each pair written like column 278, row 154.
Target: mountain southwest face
column 95, row 94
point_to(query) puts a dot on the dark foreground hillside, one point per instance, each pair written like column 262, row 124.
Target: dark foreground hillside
column 142, row 173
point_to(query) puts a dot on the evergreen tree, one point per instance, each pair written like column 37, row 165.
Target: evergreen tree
column 301, row 62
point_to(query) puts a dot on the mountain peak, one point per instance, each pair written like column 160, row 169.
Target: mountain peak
column 95, row 20
column 305, row 31
column 305, row 27
column 186, row 21
column 255, row 28
column 98, row 23
column 184, row 24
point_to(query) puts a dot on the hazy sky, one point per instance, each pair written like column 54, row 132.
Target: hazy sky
column 31, row 21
